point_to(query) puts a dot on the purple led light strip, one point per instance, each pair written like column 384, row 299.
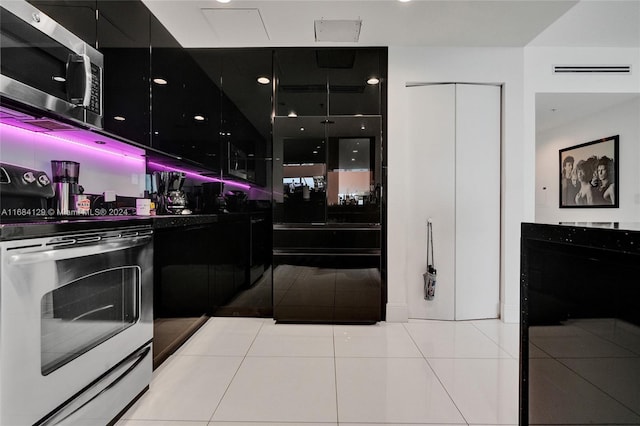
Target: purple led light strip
column 19, row 131
column 200, row 177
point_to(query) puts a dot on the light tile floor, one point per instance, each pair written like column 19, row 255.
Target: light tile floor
column 251, row 371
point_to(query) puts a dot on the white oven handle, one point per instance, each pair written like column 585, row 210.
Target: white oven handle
column 75, row 251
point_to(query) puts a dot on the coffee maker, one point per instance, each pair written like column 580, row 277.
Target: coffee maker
column 65, row 184
column 171, row 198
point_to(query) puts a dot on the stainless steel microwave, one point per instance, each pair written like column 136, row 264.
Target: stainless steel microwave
column 45, row 66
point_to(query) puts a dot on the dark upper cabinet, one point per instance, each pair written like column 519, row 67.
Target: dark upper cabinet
column 247, row 104
column 78, row 16
column 329, row 81
column 186, row 108
column 212, row 109
column 123, row 39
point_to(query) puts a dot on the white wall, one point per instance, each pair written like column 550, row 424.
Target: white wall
column 466, row 65
column 538, row 64
column 622, row 119
column 524, row 72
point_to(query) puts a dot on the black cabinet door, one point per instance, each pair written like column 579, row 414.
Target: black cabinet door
column 247, row 90
column 186, row 108
column 123, row 39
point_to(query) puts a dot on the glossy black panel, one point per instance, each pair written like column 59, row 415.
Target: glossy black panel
column 326, row 288
column 209, row 264
column 326, row 238
column 329, row 81
column 580, row 325
column 327, row 274
column 329, row 169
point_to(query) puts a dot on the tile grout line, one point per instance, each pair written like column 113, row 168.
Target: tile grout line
column 335, row 371
column 497, row 343
column 453, row 401
column 235, row 373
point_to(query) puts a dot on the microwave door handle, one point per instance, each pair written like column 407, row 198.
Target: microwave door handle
column 78, row 79
column 87, row 81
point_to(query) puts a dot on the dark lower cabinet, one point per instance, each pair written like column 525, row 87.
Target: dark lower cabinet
column 327, row 274
column 580, row 325
column 199, row 268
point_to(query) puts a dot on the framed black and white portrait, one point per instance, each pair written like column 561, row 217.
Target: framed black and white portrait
column 589, row 174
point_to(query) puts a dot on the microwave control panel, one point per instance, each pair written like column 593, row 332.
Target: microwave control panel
column 95, row 100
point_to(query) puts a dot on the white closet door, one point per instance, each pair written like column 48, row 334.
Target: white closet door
column 454, row 177
column 477, row 209
column 431, row 194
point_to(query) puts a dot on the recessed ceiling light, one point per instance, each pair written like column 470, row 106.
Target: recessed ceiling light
column 302, row 129
column 362, row 127
column 373, row 80
column 404, row 1
column 263, row 80
column 160, row 81
column 355, row 150
column 293, row 114
column 59, row 79
column 224, row 1
column 198, row 118
column 119, row 118
column 315, row 152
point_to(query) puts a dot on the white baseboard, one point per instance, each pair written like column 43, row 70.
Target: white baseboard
column 510, row 313
column 397, row 312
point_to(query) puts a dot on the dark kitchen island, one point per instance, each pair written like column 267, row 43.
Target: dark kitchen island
column 580, row 324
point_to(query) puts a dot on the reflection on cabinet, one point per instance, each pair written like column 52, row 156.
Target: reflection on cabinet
column 327, row 274
column 329, row 81
column 330, row 172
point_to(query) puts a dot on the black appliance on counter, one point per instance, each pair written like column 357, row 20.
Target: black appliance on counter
column 212, row 199
column 65, row 181
column 170, row 197
column 24, row 192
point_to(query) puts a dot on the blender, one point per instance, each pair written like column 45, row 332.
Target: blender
column 65, row 184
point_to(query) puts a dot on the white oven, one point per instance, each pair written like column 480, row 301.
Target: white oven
column 76, row 325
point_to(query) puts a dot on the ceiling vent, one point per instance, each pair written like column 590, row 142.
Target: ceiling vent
column 340, row 30
column 592, row 69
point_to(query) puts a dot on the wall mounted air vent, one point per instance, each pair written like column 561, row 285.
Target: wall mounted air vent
column 592, row 69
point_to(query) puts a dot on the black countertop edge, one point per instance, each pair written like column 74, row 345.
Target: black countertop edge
column 622, row 237
column 42, row 227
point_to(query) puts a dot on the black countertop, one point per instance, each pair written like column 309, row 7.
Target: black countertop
column 611, row 236
column 23, row 227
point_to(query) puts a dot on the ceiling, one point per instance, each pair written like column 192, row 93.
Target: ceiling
column 474, row 23
column 430, row 23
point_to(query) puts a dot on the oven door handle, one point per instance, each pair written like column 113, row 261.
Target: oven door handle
column 72, row 251
column 97, row 388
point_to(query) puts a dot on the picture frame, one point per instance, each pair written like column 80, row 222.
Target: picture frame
column 589, row 174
